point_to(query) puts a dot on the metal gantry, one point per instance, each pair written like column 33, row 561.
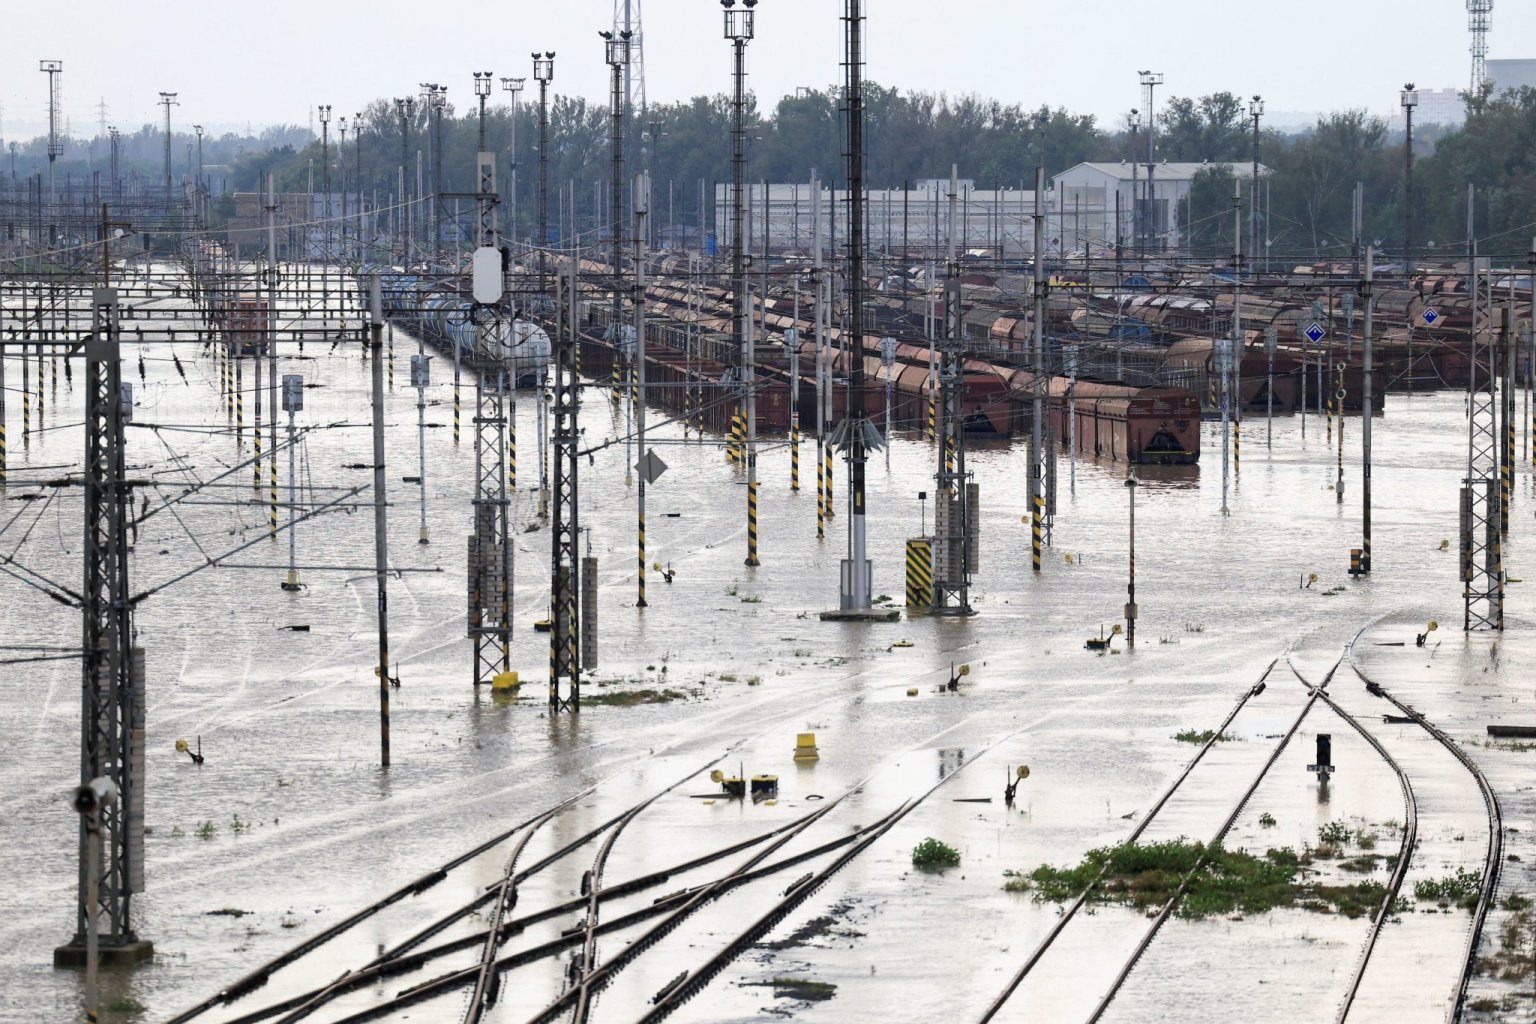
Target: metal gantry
column 564, row 617
column 112, row 705
column 490, row 547
column 1482, row 566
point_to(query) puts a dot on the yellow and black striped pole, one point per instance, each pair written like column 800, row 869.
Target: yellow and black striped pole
column 949, row 454
column 1237, row 445
column 512, row 445
column 256, row 462
column 1036, row 533
column 26, row 412
column 456, row 406
column 53, row 373
column 640, row 548
column 391, row 362
column 272, row 487
column 239, row 407
column 794, row 456
column 933, row 428
column 39, row 387
column 752, row 523
column 617, row 380
column 831, row 505
column 821, row 496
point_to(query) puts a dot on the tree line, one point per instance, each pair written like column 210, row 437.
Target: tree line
column 686, row 146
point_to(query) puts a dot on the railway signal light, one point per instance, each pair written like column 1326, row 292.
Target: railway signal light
column 1324, row 764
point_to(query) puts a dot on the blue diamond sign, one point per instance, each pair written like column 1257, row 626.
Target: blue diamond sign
column 1316, row 333
column 1429, row 316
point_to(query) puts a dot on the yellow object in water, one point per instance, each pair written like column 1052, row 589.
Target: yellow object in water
column 504, row 681
column 902, row 643
column 181, row 746
column 805, row 747
column 911, row 691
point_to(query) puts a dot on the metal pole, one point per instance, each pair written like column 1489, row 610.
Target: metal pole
column 1037, row 383
column 380, row 517
column 642, row 211
column 1367, row 413
column 1131, row 610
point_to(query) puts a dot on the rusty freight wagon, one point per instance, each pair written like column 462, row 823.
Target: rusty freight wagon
column 1159, row 426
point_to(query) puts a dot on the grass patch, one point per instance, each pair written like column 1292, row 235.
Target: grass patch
column 125, row 1005
column 1462, row 889
column 1223, row 881
column 1266, row 820
column 1363, row 864
column 1516, row 901
column 1201, row 736
column 1515, row 959
column 801, row 988
column 207, row 830
column 629, row 698
column 932, row 855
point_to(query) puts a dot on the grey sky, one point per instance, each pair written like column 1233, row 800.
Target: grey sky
column 232, row 65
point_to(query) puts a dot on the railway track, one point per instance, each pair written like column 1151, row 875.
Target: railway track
column 482, row 980
column 1494, row 857
column 1393, row 889
column 1071, row 910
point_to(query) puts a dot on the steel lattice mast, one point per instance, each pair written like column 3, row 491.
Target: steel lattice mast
column 112, row 705
column 490, row 548
column 1479, row 22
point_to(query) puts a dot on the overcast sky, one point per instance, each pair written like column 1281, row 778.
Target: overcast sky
column 271, row 61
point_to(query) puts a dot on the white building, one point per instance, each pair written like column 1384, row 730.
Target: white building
column 1097, row 205
column 1511, row 74
column 895, row 220
column 1436, row 106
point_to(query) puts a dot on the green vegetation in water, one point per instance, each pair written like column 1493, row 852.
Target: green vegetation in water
column 629, row 698
column 1515, row 959
column 125, row 1005
column 207, row 830
column 932, row 855
column 1221, row 881
column 802, row 988
column 1266, row 820
column 1335, row 833
column 1201, row 736
column 1462, row 888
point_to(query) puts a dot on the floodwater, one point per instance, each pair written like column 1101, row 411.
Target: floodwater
column 291, row 825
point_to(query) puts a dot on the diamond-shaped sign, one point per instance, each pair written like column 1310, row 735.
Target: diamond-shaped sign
column 1315, row 333
column 1429, row 316
column 651, row 467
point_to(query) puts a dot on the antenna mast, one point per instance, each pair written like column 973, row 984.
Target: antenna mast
column 1479, row 21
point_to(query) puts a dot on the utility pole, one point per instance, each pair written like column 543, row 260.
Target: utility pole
column 168, row 100
column 514, row 87
column 642, row 211
column 1034, row 491
column 1366, row 412
column 53, row 69
column 325, row 187
column 855, row 435
column 1150, row 80
column 1255, row 111
column 357, row 149
column 1134, row 122
column 543, row 73
column 405, row 109
column 113, row 704
column 1409, row 99
column 740, row 27
column 952, row 513
column 341, row 164
column 380, row 511
column 490, row 548
column 565, row 522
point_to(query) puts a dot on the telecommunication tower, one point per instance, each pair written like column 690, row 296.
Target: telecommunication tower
column 627, row 24
column 1479, row 21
